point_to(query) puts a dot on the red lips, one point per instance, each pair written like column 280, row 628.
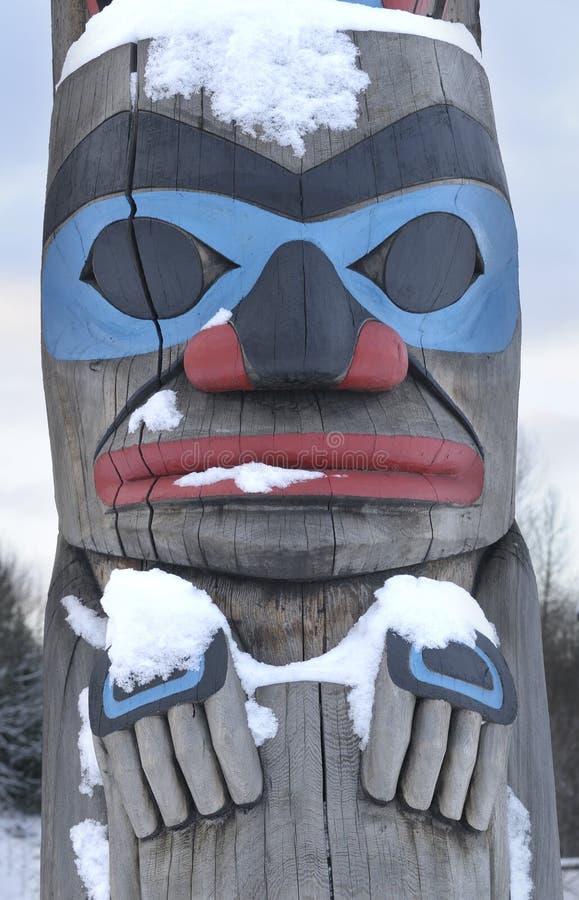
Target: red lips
column 396, row 467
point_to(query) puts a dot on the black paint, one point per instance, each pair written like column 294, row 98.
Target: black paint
column 212, row 681
column 455, row 661
column 298, row 326
column 430, row 145
column 113, row 269
column 461, row 663
column 427, row 265
column 177, row 268
column 97, row 167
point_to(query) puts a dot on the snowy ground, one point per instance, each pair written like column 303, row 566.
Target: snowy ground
column 19, row 857
column 571, row 879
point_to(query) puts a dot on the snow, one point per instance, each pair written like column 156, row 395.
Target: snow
column 91, row 850
column 133, row 89
column 276, row 69
column 294, row 83
column 262, row 720
column 85, row 622
column 159, row 413
column 157, row 623
column 221, row 317
column 519, row 825
column 90, row 775
column 432, row 613
column 251, row 477
column 428, row 613
column 19, row 856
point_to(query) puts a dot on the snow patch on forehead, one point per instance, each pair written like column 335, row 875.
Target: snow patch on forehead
column 278, row 70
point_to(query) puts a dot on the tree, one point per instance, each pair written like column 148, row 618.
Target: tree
column 542, row 520
column 20, row 696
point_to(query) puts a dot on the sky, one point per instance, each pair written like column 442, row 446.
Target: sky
column 531, row 60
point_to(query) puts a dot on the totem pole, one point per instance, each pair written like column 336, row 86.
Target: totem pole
column 364, row 338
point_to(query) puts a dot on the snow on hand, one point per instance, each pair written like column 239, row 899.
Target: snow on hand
column 251, row 477
column 159, row 413
column 85, row 622
column 90, row 775
column 159, row 622
column 277, row 69
column 91, row 850
column 519, row 827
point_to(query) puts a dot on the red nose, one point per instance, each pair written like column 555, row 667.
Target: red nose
column 214, row 361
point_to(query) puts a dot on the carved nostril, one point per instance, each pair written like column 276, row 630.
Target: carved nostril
column 379, row 362
column 213, row 361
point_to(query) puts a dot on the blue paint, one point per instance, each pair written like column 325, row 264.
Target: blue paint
column 491, row 697
column 115, row 708
column 78, row 323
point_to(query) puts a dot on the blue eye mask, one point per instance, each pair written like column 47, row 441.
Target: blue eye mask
column 80, row 323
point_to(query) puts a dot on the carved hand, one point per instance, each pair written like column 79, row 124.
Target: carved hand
column 427, row 749
column 193, row 760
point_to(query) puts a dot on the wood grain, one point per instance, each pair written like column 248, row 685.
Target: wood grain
column 67, row 667
column 68, row 20
column 407, row 73
column 311, row 768
column 87, row 99
column 292, row 579
column 507, row 591
column 459, row 763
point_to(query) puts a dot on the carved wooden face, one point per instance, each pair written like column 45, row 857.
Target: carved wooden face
column 372, row 338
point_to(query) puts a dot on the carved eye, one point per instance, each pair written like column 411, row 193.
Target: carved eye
column 426, row 265
column 150, row 269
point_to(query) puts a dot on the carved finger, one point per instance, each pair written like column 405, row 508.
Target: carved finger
column 160, row 767
column 125, row 766
column 389, row 737
column 459, row 762
column 426, row 753
column 123, row 844
column 196, row 757
column 233, row 741
column 489, row 773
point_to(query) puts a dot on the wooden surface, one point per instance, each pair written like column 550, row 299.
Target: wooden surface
column 312, row 790
column 490, row 400
column 67, row 668
column 84, row 102
column 68, row 20
column 427, row 118
column 95, row 132
column 408, row 73
column 508, row 573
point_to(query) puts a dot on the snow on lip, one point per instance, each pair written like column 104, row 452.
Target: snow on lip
column 395, row 467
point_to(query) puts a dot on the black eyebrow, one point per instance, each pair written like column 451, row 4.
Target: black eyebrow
column 438, row 143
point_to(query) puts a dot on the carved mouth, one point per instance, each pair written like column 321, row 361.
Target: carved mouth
column 394, row 467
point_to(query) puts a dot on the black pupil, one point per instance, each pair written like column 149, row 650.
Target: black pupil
column 430, row 263
column 147, row 268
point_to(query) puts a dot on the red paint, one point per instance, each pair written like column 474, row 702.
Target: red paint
column 380, row 360
column 214, row 362
column 420, row 7
column 352, row 465
column 93, row 7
